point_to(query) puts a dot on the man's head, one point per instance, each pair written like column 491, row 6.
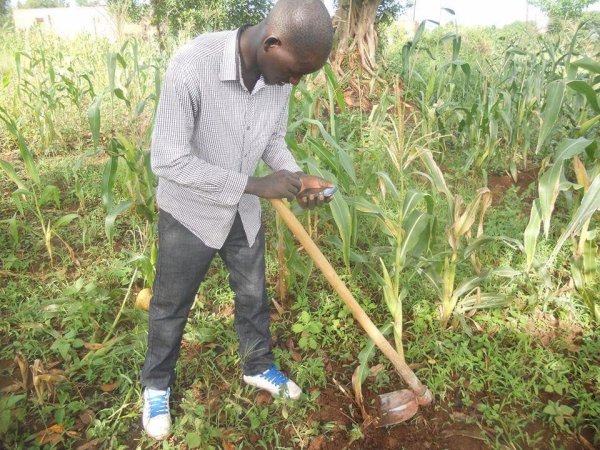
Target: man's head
column 297, row 39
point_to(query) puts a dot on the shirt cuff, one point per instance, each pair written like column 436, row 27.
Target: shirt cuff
column 234, row 188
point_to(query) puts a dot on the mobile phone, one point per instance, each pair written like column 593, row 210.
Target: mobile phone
column 327, row 192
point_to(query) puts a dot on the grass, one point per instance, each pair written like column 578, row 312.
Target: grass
column 525, row 376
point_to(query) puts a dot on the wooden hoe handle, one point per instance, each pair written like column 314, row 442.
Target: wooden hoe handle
column 423, row 394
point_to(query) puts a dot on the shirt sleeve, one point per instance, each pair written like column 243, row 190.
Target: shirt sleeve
column 277, row 155
column 170, row 151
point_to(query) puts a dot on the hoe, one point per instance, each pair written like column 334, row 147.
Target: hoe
column 396, row 406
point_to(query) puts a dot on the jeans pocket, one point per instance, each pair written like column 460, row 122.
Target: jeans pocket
column 165, row 220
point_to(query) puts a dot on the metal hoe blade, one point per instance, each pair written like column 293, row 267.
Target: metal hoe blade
column 396, row 407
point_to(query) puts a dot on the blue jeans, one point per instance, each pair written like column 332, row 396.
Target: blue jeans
column 183, row 261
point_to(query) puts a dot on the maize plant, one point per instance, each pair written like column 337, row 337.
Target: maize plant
column 440, row 269
column 32, row 195
column 584, row 267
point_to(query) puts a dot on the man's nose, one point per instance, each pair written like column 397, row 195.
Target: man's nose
column 295, row 80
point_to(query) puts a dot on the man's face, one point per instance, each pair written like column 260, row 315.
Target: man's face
column 279, row 65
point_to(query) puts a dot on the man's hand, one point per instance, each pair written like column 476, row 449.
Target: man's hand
column 312, row 183
column 280, row 184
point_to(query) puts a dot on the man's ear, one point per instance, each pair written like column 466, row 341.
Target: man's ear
column 271, row 42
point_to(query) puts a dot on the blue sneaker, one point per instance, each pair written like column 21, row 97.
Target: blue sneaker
column 156, row 416
column 275, row 382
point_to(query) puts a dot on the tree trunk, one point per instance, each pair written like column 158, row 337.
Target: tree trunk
column 355, row 35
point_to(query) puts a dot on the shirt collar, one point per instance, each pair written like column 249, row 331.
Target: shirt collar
column 230, row 62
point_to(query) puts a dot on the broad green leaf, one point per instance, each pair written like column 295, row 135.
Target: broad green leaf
column 26, row 154
column 532, row 232
column 585, row 126
column 590, row 203
column 340, row 212
column 587, row 63
column 368, row 351
column 482, row 301
column 386, row 185
column 108, row 181
column 584, row 88
column 388, row 291
column 549, row 185
column 339, row 95
column 554, row 100
column 412, row 199
column 65, row 220
column 111, row 65
column 437, row 177
column 415, row 227
column 121, row 96
column 571, row 147
column 12, row 174
column 363, row 205
column 94, row 119
column 109, row 221
column 469, row 284
column 474, row 245
column 342, row 155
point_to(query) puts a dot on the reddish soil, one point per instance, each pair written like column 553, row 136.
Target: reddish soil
column 431, row 428
column 499, row 184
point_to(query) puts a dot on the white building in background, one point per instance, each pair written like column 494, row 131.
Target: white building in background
column 69, row 22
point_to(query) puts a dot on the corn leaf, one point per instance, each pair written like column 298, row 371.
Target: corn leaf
column 340, row 212
column 587, row 63
column 339, row 95
column 554, row 100
column 65, row 220
column 584, row 88
column 482, row 301
column 590, row 203
column 108, row 181
column 532, row 232
column 109, row 221
column 437, row 177
column 549, row 185
column 412, row 199
column 474, row 245
column 571, row 147
column 415, row 234
column 368, row 351
column 12, row 174
column 387, row 185
column 94, row 119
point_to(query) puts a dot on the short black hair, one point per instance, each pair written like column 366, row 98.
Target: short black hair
column 305, row 26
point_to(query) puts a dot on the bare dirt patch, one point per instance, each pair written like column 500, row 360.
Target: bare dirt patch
column 499, row 184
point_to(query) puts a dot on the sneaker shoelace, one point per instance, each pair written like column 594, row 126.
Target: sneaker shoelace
column 274, row 376
column 159, row 404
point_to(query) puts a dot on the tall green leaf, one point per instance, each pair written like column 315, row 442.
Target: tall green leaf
column 532, row 232
column 94, row 119
column 584, row 88
column 554, row 100
column 590, row 203
column 12, row 174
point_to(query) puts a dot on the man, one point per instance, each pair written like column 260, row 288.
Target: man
column 223, row 107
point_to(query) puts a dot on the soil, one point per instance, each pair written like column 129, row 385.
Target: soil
column 499, row 184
